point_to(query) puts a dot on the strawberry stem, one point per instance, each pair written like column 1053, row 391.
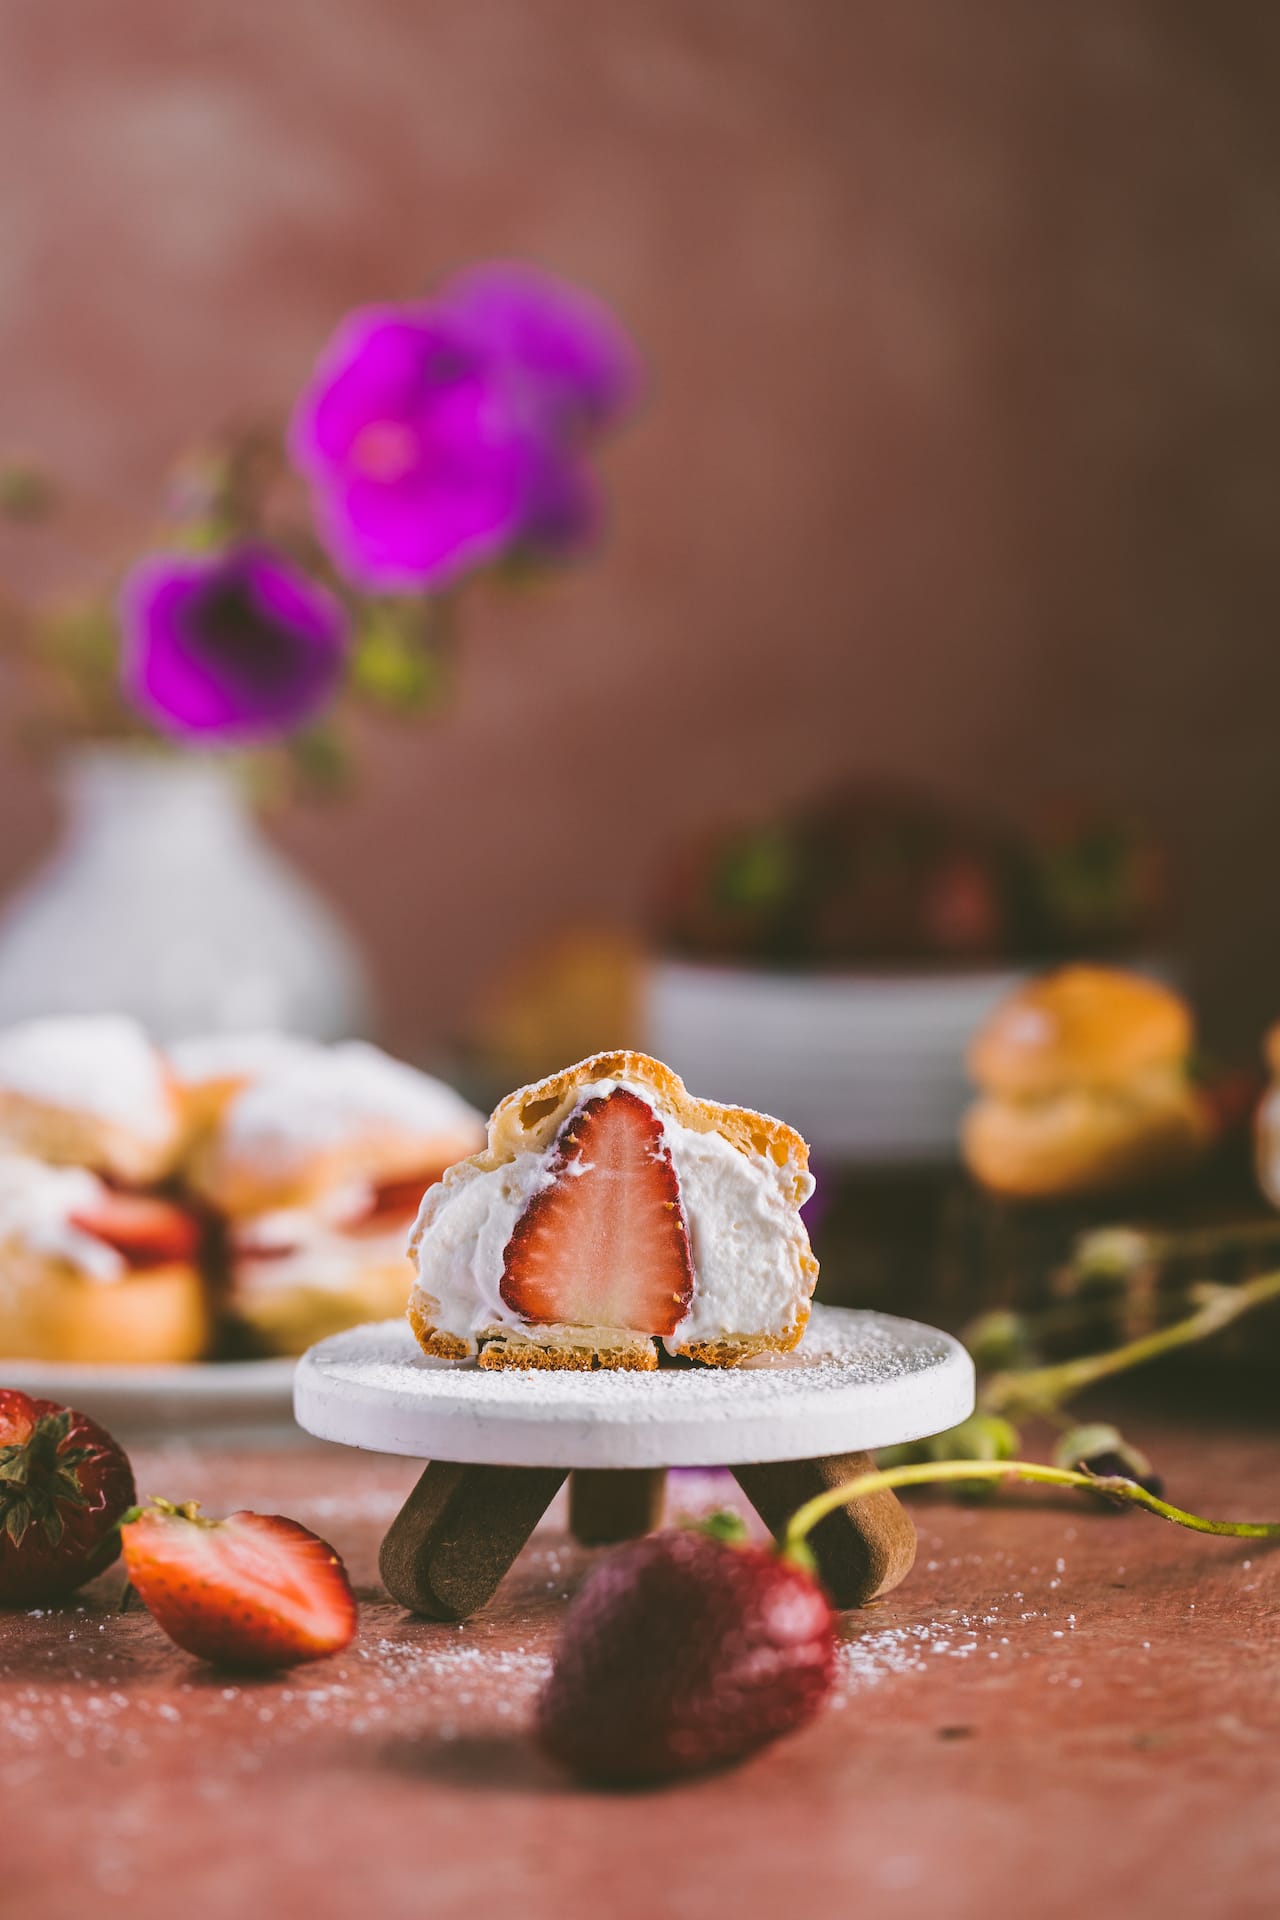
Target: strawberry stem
column 724, row 1525
column 1041, row 1390
column 930, row 1471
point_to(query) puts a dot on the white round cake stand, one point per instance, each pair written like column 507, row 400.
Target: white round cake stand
column 501, row 1443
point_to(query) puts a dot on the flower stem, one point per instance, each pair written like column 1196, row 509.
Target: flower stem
column 926, row 1473
column 1043, row 1389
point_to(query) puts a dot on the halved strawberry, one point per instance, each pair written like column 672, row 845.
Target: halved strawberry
column 254, row 1590
column 147, row 1231
column 605, row 1245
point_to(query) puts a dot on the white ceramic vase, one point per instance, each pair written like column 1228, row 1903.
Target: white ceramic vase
column 165, row 901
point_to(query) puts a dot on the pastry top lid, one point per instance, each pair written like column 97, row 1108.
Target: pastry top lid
column 100, row 1065
column 207, row 1058
column 1079, row 1026
column 323, row 1103
column 529, row 1119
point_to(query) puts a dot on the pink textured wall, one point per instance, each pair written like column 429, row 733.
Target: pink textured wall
column 961, row 457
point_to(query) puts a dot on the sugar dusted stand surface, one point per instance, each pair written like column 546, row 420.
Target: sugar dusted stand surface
column 501, row 1444
column 857, row 1380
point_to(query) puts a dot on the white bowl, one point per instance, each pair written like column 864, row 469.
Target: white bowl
column 868, row 1067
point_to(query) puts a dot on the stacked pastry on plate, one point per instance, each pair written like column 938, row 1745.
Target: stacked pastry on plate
column 251, row 1193
column 1092, row 1112
column 316, row 1168
column 1085, row 1086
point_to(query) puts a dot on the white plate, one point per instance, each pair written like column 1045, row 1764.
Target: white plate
column 179, row 1399
column 857, row 1380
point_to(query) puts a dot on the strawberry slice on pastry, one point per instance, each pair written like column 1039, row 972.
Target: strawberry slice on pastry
column 147, row 1231
column 605, row 1244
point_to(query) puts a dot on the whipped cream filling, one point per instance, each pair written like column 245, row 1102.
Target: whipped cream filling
column 37, row 1204
column 292, row 1248
column 100, row 1065
column 745, row 1237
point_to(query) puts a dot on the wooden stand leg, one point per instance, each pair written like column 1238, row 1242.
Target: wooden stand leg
column 605, row 1507
column 458, row 1533
column 862, row 1550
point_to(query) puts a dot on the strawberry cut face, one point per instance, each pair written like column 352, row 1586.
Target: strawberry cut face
column 605, row 1243
column 254, row 1591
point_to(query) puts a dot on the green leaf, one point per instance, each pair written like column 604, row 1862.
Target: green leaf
column 757, row 870
column 728, row 1528
column 321, row 759
column 1085, row 1443
column 998, row 1341
column 398, row 662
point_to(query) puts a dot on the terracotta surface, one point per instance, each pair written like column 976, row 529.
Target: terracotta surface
column 961, row 455
column 1063, row 1713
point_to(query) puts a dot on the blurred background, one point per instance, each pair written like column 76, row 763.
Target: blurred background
column 957, row 463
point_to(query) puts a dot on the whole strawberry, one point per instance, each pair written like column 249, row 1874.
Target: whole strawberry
column 64, row 1484
column 681, row 1652
column 254, row 1590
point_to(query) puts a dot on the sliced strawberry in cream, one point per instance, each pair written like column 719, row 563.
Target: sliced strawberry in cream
column 396, row 1199
column 147, row 1231
column 605, row 1243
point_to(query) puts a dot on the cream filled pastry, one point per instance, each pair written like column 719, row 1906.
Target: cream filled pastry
column 610, row 1211
column 212, row 1068
column 318, row 1167
column 343, row 1121
column 296, row 1276
column 90, row 1092
column 88, row 1274
column 1084, row 1086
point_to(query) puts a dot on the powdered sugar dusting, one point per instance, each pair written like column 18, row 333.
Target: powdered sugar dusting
column 103, row 1066
column 324, row 1100
column 856, row 1380
column 236, row 1056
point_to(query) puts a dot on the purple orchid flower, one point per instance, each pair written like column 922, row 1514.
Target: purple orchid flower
column 442, row 436
column 238, row 646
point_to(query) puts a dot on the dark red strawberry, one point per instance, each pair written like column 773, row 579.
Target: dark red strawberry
column 147, row 1231
column 605, row 1245
column 681, row 1653
column 64, row 1484
column 254, row 1590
